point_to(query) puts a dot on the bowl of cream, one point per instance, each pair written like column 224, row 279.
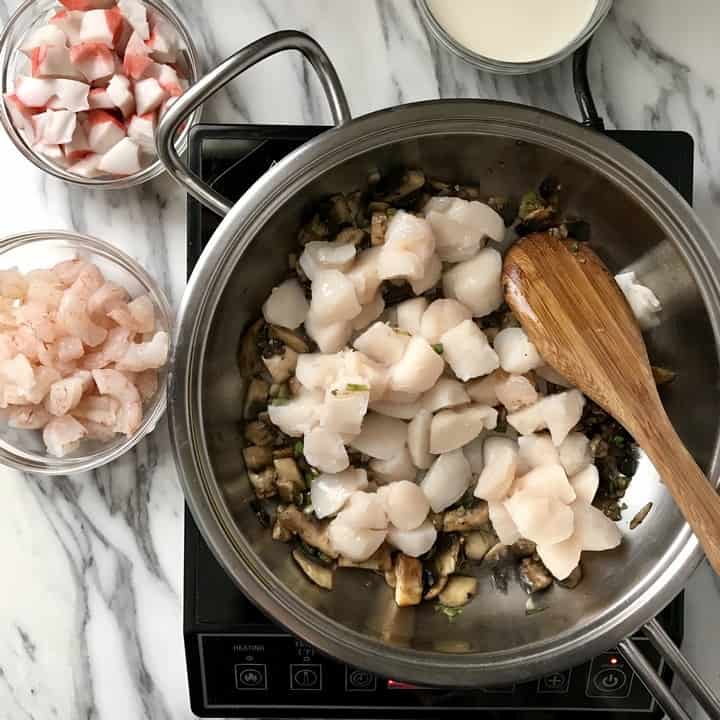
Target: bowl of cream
column 513, row 37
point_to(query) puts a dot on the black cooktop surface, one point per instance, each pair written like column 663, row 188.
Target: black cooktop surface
column 240, row 664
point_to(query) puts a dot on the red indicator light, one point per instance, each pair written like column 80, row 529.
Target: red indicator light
column 397, row 685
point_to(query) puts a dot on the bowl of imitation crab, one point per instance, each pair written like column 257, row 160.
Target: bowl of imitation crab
column 85, row 82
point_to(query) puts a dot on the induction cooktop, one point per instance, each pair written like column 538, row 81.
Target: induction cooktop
column 241, row 664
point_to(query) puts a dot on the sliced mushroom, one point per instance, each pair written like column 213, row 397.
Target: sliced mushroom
column 290, row 338
column 321, row 575
column 257, row 458
column 281, row 366
column 534, row 575
column 573, row 579
column 409, row 584
column 315, row 229
column 337, row 210
column 397, row 187
column 445, row 559
column 259, row 433
column 350, row 236
column 662, row 375
column 378, row 226
column 248, row 354
column 478, row 543
column 379, row 561
column 256, row 398
column 281, row 533
column 290, row 483
column 442, row 564
column 523, row 548
column 311, row 531
column 390, row 577
column 263, row 482
column 462, row 519
column 459, row 591
column 498, row 554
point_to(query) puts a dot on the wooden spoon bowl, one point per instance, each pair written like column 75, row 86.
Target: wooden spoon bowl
column 580, row 322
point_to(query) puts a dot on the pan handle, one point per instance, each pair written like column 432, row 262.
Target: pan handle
column 237, row 63
column 678, row 662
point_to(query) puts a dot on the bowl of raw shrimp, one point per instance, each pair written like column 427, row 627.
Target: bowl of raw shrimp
column 84, row 347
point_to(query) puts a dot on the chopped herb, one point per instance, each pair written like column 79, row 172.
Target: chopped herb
column 529, row 203
column 283, row 392
column 575, row 247
column 356, row 387
column 619, row 440
column 298, row 448
column 534, row 610
column 334, row 392
column 438, row 348
column 308, row 478
column 280, row 401
column 450, row 612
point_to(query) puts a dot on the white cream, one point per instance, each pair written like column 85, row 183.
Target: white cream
column 513, row 30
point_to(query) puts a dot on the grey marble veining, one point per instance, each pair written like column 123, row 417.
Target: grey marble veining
column 90, row 605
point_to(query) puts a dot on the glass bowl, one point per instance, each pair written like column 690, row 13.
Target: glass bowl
column 30, row 15
column 24, row 449
column 505, row 67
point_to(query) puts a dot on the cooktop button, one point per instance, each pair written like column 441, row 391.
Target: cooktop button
column 610, row 683
column 557, row 682
column 307, row 676
column 357, row 680
column 251, row 677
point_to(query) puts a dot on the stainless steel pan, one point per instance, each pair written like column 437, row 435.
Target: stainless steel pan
column 637, row 219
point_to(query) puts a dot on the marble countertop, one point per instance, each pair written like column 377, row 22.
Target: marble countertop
column 90, row 623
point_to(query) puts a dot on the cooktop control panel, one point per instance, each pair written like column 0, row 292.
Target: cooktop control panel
column 239, row 671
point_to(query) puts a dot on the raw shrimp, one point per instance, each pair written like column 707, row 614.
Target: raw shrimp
column 147, row 383
column 100, row 410
column 138, row 315
column 67, row 271
column 105, row 299
column 28, row 417
column 38, row 318
column 7, row 312
column 44, row 378
column 146, row 356
column 8, row 348
column 12, row 284
column 69, row 348
column 114, row 347
column 97, row 431
column 74, row 318
column 65, row 394
column 116, row 385
column 62, row 435
column 27, row 343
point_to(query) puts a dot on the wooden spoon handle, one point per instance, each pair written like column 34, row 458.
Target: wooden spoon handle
column 695, row 496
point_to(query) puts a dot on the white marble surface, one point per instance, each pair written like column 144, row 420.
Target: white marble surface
column 90, row 598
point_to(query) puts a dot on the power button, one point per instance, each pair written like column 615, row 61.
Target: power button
column 609, row 678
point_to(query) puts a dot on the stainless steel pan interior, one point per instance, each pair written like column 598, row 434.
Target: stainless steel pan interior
column 637, row 221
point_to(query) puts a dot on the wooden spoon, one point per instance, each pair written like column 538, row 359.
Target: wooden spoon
column 576, row 316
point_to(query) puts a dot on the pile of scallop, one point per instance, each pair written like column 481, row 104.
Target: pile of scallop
column 78, row 356
column 426, row 426
column 101, row 73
